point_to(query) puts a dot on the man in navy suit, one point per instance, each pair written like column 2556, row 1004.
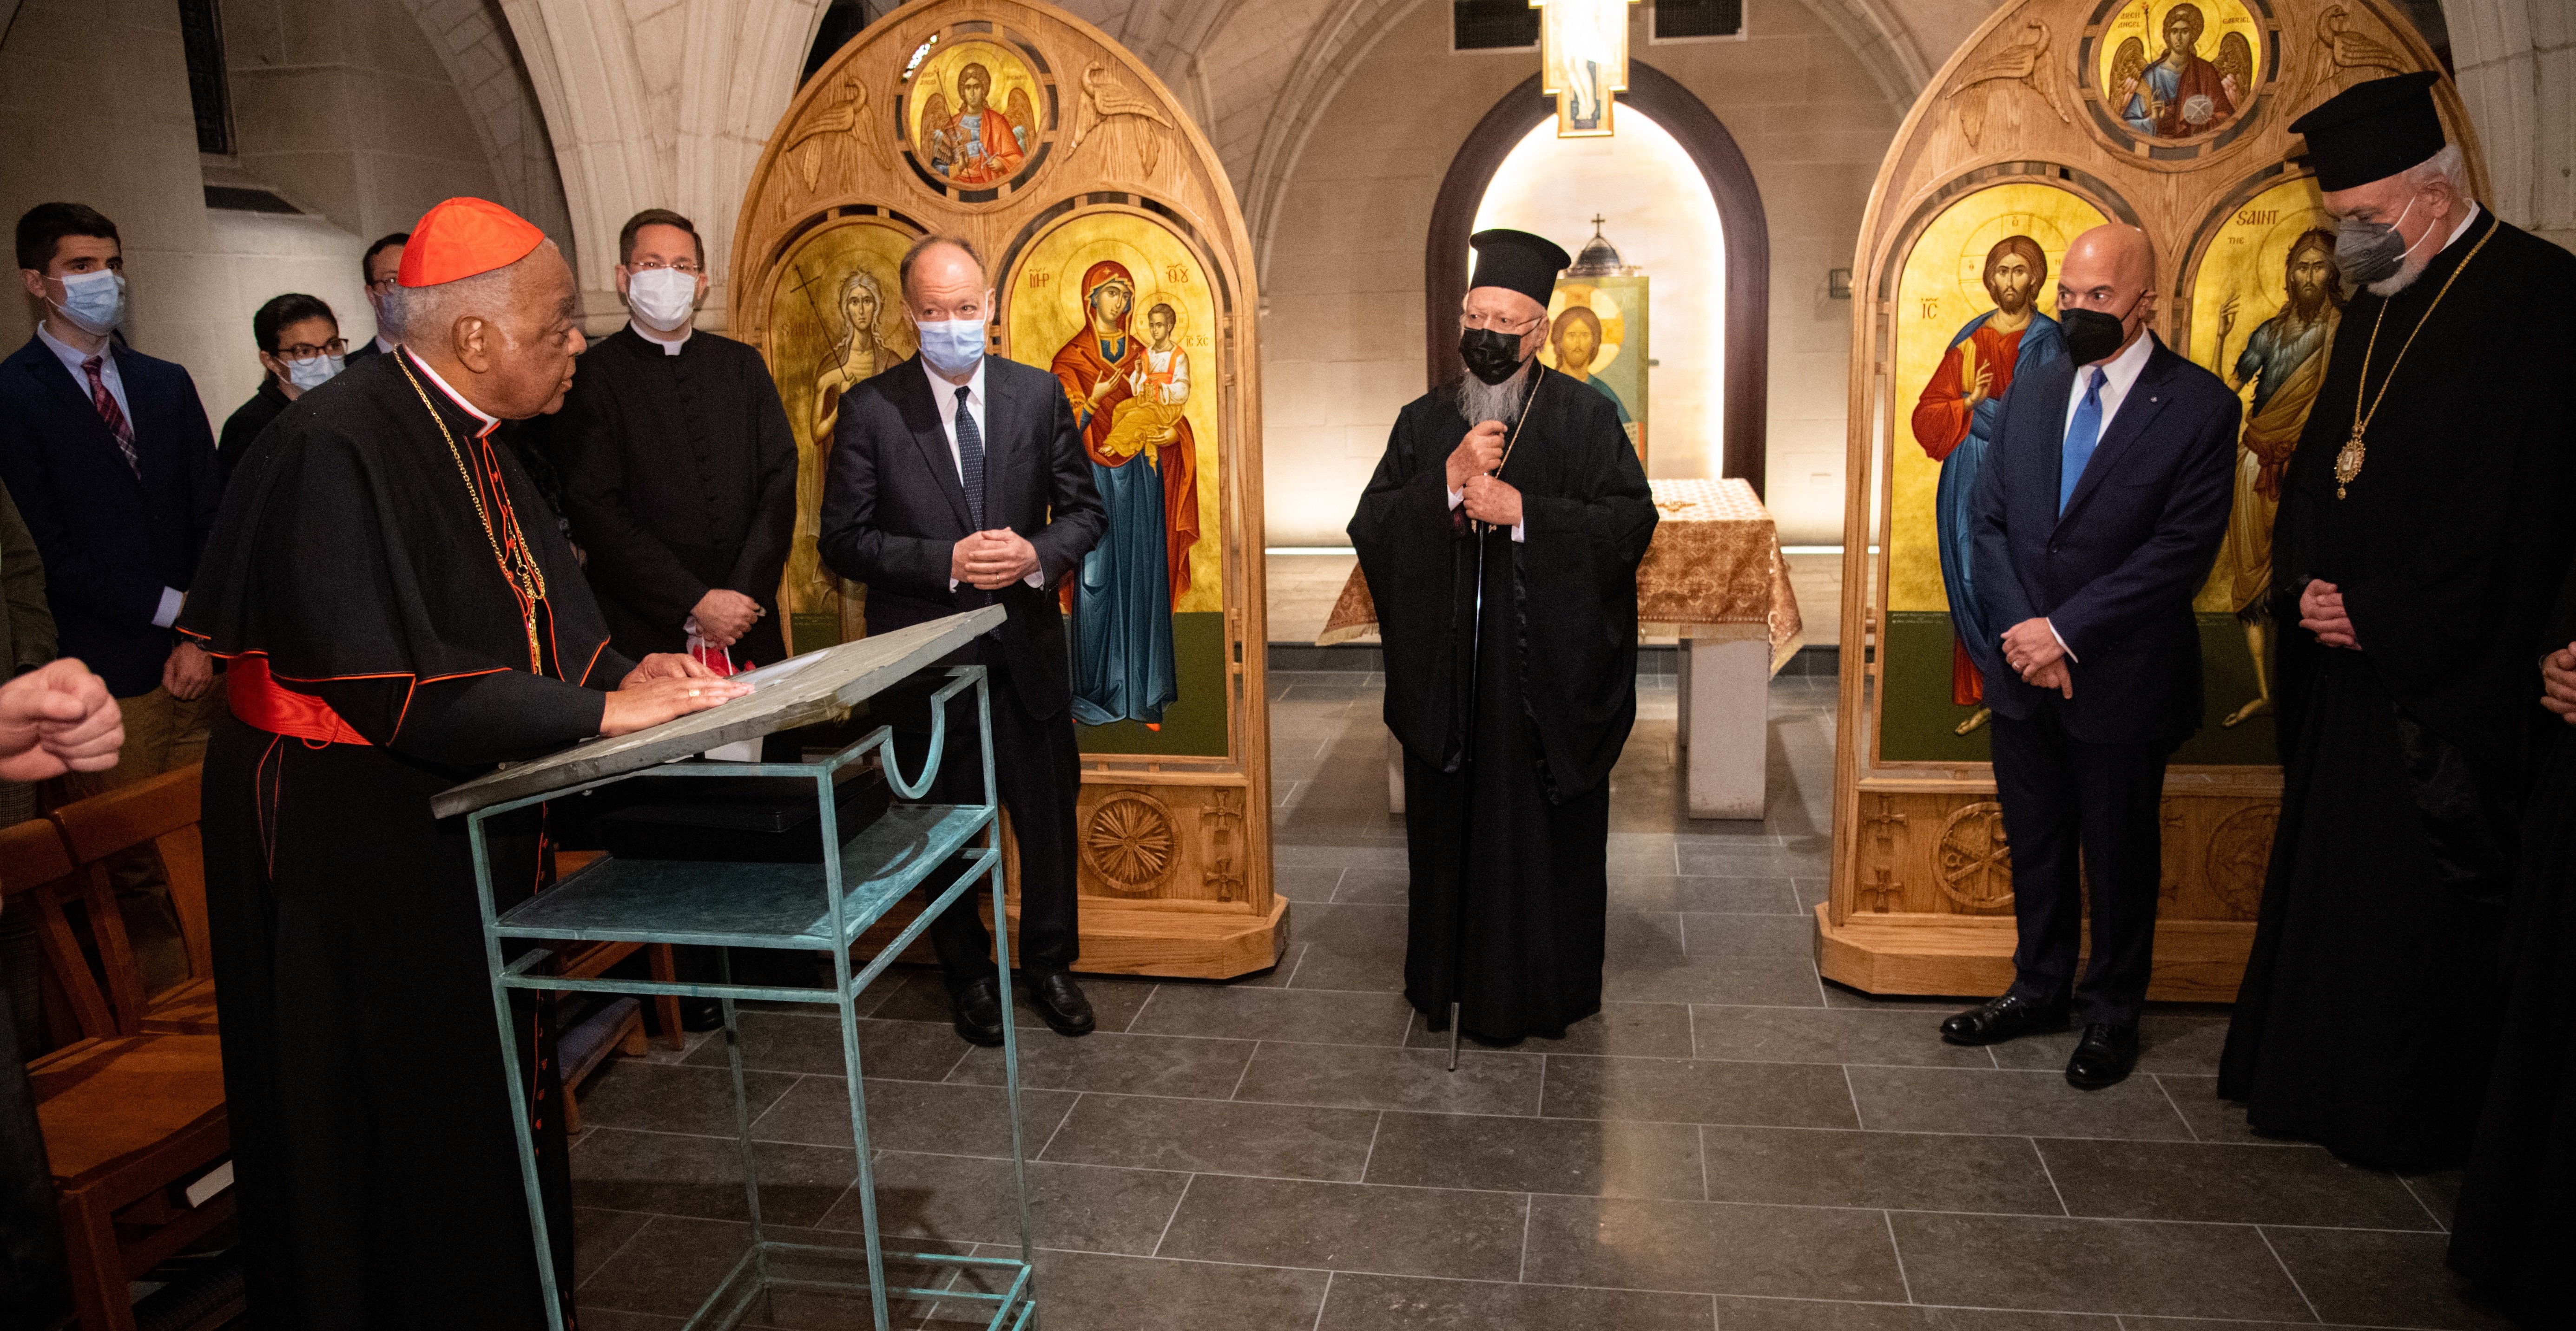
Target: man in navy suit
column 109, row 456
column 2100, row 513
column 958, row 480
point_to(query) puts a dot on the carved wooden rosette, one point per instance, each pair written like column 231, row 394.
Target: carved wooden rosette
column 2038, row 105
column 1065, row 130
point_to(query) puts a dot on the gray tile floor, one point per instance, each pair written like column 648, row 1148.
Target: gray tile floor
column 1732, row 1144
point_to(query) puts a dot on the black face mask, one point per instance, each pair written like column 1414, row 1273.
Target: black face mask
column 1490, row 355
column 2094, row 334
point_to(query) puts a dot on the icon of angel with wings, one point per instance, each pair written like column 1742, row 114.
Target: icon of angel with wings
column 977, row 143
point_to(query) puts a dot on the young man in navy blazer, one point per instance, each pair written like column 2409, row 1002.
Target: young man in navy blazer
column 2097, row 521
column 109, row 456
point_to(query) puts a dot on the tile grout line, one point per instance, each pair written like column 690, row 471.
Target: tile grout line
column 1370, row 1155
column 1529, row 1208
column 1699, row 1138
column 1058, row 1129
column 1135, row 1016
column 2409, row 1185
column 1174, row 1217
column 2176, row 1105
column 1243, row 1076
column 1860, row 1121
column 1325, row 1301
column 1899, row 1252
column 2260, row 1232
column 2050, row 1175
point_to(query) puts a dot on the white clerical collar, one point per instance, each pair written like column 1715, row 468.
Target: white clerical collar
column 2463, row 228
column 943, row 389
column 458, row 398
column 670, row 343
column 381, row 344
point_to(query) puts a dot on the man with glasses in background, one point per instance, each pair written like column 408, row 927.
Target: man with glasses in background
column 384, row 294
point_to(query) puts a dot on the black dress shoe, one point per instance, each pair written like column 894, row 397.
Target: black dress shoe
column 701, row 1014
column 2104, row 1057
column 978, row 1009
column 2007, row 1018
column 1060, row 1001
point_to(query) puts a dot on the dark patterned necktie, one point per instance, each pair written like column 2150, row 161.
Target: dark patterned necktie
column 113, row 414
column 970, row 461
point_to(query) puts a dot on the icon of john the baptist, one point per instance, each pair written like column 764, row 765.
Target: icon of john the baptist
column 1122, row 598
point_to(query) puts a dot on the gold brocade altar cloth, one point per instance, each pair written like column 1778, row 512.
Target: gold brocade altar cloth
column 1714, row 572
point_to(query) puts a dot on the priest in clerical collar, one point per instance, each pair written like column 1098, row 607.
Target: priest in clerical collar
column 1500, row 538
column 2426, row 521
column 398, row 617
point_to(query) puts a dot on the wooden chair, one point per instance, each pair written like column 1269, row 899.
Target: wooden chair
column 134, row 1124
column 160, row 813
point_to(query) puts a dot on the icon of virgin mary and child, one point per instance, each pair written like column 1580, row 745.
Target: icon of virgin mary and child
column 1128, row 392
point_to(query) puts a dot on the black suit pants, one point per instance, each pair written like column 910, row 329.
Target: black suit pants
column 2067, row 802
column 1038, row 774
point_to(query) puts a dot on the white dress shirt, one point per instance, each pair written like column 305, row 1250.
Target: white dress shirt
column 2119, row 375
column 670, row 343
column 382, row 345
column 166, row 613
column 945, row 394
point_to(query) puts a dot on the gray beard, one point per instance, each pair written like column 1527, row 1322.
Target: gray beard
column 1479, row 401
column 2407, row 272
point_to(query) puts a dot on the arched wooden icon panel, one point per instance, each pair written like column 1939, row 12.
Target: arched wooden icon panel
column 1122, row 266
column 2172, row 116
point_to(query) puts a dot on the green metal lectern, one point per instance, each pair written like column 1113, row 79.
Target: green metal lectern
column 798, row 907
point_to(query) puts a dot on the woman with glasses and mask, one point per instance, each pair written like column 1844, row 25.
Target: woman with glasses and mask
column 301, row 349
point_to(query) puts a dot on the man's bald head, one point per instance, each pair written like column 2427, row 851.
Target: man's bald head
column 2110, row 269
column 505, row 339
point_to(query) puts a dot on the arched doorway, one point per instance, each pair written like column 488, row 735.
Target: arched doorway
column 1741, row 331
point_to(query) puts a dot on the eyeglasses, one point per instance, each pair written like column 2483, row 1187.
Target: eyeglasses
column 683, row 266
column 1498, row 324
column 307, row 351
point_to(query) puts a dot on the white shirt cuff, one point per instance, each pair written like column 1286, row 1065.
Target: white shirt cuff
column 1457, row 497
column 2061, row 641
column 1520, row 530
column 171, row 599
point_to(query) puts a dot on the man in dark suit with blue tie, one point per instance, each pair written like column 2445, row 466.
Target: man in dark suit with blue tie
column 958, row 480
column 2100, row 513
column 109, row 456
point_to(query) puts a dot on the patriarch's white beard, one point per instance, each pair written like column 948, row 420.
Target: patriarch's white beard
column 1479, row 401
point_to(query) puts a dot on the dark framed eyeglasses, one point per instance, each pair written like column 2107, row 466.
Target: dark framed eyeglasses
column 307, row 350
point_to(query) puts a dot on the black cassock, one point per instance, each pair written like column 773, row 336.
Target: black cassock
column 376, row 1160
column 679, row 476
column 2515, row 1236
column 1516, row 834
column 2369, row 1009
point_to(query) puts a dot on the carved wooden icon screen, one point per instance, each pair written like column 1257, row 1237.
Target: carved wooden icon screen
column 2056, row 116
column 1121, row 265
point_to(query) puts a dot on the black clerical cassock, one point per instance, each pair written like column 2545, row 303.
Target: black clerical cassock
column 1507, row 846
column 2516, row 1229
column 679, row 475
column 398, row 617
column 2369, row 1009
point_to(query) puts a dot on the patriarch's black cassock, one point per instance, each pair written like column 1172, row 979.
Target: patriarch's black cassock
column 1515, row 837
column 377, row 1164
column 2369, row 1009
column 2517, row 1221
column 679, row 475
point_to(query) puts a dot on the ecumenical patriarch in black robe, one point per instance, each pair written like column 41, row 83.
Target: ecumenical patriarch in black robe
column 2426, row 521
column 1512, row 695
column 398, row 615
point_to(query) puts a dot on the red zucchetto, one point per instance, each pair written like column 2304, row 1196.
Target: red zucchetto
column 463, row 237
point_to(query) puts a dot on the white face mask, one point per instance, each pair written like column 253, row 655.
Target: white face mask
column 312, row 372
column 94, row 302
column 662, row 299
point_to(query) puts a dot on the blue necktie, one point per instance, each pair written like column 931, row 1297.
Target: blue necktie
column 2082, row 433
column 970, row 461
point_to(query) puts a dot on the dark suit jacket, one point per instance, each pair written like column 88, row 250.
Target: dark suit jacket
column 110, row 542
column 2116, row 574
column 893, row 510
column 363, row 350
column 241, row 429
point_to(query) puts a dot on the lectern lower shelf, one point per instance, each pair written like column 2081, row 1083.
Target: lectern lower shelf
column 800, row 691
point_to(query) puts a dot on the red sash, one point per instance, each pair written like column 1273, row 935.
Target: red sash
column 260, row 701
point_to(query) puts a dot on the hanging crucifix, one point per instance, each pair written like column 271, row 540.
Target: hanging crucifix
column 1583, row 61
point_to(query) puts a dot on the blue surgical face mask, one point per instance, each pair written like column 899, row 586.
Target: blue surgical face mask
column 951, row 346
column 94, row 302
column 312, row 372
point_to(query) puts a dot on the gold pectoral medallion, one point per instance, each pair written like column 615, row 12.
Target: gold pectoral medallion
column 2348, row 463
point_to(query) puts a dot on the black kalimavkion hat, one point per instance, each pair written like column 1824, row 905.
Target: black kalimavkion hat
column 1518, row 261
column 2371, row 131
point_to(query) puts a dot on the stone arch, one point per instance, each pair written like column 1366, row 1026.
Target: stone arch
column 473, row 43
column 2515, row 62
column 1739, row 208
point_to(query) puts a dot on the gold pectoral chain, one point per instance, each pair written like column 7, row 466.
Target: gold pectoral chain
column 527, row 581
column 2348, row 462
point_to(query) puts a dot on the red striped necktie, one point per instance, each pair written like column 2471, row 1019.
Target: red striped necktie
column 113, row 414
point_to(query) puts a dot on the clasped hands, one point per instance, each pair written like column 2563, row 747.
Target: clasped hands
column 992, row 559
column 58, row 719
column 2558, row 683
column 1471, row 468
column 724, row 616
column 2031, row 647
column 2321, row 612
